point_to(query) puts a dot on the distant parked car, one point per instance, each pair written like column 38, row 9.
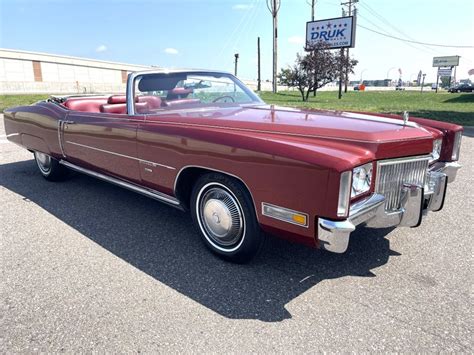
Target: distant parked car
column 462, row 88
column 360, row 87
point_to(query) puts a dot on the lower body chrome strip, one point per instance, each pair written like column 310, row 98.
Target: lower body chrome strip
column 156, row 195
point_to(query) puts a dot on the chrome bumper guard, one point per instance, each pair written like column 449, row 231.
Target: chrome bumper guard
column 416, row 201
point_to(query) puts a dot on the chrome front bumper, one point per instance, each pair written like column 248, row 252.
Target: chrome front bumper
column 416, row 201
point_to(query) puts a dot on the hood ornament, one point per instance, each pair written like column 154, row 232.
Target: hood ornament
column 406, row 117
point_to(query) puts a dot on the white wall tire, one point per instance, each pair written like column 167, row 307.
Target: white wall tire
column 49, row 167
column 224, row 215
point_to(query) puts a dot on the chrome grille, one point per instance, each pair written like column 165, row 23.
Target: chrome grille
column 393, row 173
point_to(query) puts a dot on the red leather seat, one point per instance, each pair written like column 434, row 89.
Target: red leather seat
column 115, row 104
column 114, row 108
column 140, row 107
column 117, row 99
column 85, row 104
column 153, row 101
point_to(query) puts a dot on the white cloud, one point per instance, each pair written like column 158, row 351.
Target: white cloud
column 242, row 7
column 296, row 40
column 101, row 48
column 171, row 51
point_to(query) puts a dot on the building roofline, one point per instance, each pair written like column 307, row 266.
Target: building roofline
column 65, row 59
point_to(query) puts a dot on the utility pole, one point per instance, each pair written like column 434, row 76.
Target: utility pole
column 274, row 7
column 236, row 55
column 350, row 13
column 312, row 4
column 259, row 81
column 341, row 67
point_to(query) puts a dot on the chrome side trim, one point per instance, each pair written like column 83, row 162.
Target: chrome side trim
column 60, row 137
column 156, row 195
column 122, row 155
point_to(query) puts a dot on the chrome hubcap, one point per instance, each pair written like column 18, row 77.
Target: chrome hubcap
column 221, row 217
column 43, row 161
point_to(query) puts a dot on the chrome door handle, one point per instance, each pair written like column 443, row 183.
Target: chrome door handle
column 69, row 122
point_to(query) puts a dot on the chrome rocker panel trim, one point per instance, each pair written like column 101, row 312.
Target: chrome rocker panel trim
column 156, row 195
column 416, row 202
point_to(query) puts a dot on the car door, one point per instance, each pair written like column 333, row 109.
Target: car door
column 103, row 142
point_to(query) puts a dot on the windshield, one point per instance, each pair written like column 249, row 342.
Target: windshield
column 184, row 90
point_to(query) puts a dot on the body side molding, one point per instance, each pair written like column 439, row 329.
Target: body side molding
column 156, row 195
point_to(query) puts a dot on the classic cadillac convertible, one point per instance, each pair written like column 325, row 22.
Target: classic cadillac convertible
column 202, row 141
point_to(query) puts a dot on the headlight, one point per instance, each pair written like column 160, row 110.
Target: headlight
column 437, row 143
column 361, row 179
column 456, row 145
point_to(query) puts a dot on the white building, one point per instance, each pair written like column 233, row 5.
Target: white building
column 29, row 72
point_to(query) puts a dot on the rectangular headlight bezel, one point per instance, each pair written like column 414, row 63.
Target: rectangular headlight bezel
column 344, row 199
column 456, row 146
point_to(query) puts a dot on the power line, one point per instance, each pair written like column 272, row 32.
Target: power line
column 386, row 22
column 419, row 48
column 410, row 41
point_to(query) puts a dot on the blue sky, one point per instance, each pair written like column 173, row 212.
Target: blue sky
column 207, row 33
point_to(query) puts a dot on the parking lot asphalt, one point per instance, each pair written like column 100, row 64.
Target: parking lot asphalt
column 87, row 266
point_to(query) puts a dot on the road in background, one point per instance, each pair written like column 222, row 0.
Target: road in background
column 87, row 266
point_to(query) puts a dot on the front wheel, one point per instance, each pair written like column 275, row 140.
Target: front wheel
column 49, row 167
column 223, row 212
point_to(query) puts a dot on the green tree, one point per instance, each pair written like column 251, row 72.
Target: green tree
column 311, row 71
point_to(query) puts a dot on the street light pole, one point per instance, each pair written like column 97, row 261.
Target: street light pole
column 362, row 72
column 236, row 55
column 388, row 73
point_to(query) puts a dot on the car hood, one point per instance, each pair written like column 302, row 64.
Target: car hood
column 353, row 137
column 334, row 125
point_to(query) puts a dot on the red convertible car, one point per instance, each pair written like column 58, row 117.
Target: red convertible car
column 202, row 141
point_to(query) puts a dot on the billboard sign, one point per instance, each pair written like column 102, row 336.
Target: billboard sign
column 445, row 71
column 449, row 61
column 336, row 32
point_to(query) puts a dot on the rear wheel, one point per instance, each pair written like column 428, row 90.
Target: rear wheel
column 50, row 167
column 223, row 212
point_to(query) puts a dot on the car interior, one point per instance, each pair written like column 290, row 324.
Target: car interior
column 118, row 103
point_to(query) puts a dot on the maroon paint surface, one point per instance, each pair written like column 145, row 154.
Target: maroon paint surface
column 286, row 157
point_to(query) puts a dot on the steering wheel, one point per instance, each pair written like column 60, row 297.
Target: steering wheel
column 223, row 97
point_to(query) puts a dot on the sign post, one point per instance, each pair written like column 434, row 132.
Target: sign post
column 445, row 67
